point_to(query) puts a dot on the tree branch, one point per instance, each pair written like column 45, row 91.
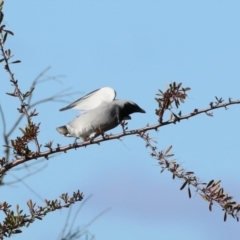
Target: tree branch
column 13, row 222
column 211, row 192
column 173, row 120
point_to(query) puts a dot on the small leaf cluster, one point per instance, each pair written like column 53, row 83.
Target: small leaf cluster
column 14, row 221
column 20, row 145
column 214, row 192
column 173, row 96
column 211, row 192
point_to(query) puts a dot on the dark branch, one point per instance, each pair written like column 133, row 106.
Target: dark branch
column 46, row 154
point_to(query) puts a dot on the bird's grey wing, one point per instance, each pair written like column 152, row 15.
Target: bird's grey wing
column 103, row 118
column 93, row 99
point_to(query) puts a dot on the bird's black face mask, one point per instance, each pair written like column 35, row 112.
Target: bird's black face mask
column 128, row 109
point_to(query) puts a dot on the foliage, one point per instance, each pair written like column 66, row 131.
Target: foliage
column 22, row 151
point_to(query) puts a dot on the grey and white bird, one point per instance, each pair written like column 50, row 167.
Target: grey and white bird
column 100, row 113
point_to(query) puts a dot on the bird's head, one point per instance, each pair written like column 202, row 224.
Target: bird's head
column 126, row 108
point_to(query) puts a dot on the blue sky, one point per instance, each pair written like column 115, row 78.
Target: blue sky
column 136, row 47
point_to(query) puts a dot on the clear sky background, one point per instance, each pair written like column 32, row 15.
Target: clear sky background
column 135, row 47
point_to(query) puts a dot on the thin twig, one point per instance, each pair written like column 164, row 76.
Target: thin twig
column 24, row 177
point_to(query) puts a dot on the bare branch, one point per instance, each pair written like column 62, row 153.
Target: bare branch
column 17, row 93
column 24, row 177
column 5, row 137
column 3, row 120
column 26, row 185
column 73, row 221
column 54, row 98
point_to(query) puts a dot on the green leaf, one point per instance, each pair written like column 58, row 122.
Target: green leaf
column 17, row 231
column 210, row 183
column 5, row 37
column 8, row 52
column 210, row 206
column 30, row 204
column 23, row 131
column 184, row 185
column 17, row 61
column 17, row 208
column 168, row 149
column 7, row 146
column 9, row 32
column 225, row 216
column 189, row 192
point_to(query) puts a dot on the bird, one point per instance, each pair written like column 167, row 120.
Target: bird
column 100, row 112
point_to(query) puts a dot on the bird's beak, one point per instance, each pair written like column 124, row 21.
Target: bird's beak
column 141, row 110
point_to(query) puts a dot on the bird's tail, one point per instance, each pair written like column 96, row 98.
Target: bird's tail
column 63, row 130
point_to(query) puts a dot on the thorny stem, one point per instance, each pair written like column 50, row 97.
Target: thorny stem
column 14, row 221
column 211, row 192
column 46, row 154
column 17, row 92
